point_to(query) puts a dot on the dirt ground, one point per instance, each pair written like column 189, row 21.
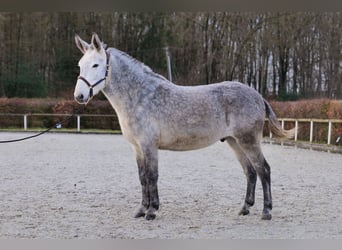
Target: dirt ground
column 86, row 186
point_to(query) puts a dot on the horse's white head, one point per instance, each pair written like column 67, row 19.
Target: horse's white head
column 93, row 69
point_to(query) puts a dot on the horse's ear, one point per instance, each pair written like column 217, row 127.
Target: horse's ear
column 82, row 45
column 96, row 42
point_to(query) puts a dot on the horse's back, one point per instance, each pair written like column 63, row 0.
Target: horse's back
column 199, row 116
column 233, row 99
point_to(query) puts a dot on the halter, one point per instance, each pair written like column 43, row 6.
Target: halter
column 91, row 86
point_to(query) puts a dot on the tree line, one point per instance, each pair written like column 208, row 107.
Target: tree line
column 283, row 55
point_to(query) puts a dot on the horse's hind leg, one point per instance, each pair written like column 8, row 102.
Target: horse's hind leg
column 250, row 175
column 256, row 157
column 147, row 161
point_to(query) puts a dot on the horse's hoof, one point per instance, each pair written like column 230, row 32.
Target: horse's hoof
column 267, row 216
column 150, row 217
column 139, row 214
column 243, row 211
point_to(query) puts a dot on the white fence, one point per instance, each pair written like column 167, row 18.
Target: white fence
column 312, row 122
column 78, row 117
column 328, row 122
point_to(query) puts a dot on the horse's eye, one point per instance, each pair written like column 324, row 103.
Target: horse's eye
column 95, row 65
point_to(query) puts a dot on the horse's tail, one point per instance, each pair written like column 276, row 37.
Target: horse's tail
column 274, row 125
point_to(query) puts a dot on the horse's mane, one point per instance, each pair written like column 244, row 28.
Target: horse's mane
column 146, row 69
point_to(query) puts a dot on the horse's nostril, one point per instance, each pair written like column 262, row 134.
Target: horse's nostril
column 79, row 98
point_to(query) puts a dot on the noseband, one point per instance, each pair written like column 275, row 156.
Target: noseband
column 91, row 86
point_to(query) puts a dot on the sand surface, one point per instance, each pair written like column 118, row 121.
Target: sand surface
column 64, row 186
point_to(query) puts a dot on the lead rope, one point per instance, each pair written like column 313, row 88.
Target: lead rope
column 58, row 124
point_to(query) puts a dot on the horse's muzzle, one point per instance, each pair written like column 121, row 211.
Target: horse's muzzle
column 81, row 100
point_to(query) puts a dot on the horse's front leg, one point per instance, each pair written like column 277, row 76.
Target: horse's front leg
column 147, row 161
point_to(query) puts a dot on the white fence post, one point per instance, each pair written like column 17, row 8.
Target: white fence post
column 311, row 131
column 78, row 123
column 168, row 62
column 296, row 130
column 25, row 121
column 329, row 133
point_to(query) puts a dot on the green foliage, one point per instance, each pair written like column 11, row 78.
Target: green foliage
column 65, row 68
column 287, row 97
column 156, row 38
column 289, row 52
column 28, row 82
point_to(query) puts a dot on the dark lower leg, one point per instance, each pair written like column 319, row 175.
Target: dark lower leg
column 153, row 195
column 150, row 202
column 249, row 172
column 266, row 213
column 265, row 177
column 144, row 203
column 263, row 170
column 148, row 175
column 250, row 193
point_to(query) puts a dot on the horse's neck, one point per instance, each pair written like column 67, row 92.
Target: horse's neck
column 130, row 81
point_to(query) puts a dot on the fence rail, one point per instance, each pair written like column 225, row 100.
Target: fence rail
column 311, row 122
column 78, row 117
column 328, row 122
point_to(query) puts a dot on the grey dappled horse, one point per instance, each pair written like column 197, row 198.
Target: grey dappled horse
column 157, row 114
